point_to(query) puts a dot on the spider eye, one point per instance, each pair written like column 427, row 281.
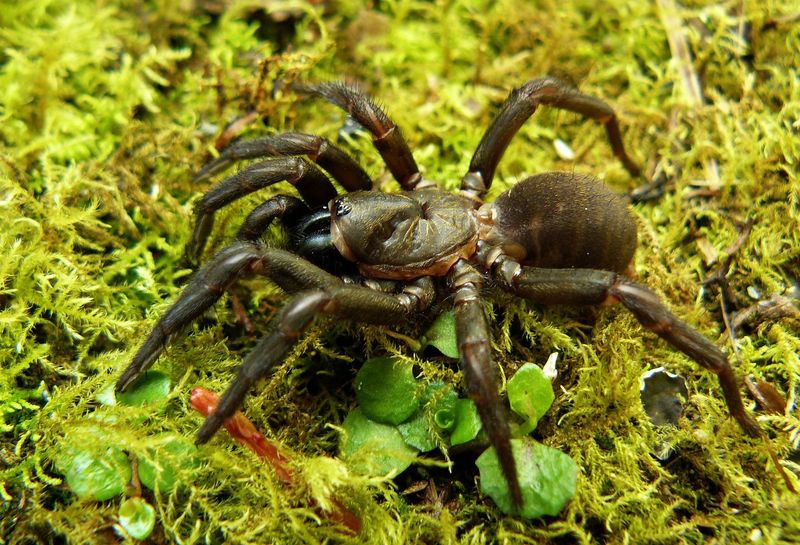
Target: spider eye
column 341, row 208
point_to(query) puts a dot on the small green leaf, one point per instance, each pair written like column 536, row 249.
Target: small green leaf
column 547, row 477
column 443, row 401
column 387, row 390
column 160, row 468
column 437, row 410
column 372, row 448
column 150, row 387
column 94, row 473
column 417, row 433
column 442, row 335
column 530, row 394
column 467, row 422
column 137, row 517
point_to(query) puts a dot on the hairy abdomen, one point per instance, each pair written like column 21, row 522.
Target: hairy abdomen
column 561, row 220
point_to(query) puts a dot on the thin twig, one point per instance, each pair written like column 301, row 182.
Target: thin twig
column 690, row 81
column 242, row 430
column 720, row 278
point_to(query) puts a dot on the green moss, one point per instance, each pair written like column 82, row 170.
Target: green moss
column 108, row 107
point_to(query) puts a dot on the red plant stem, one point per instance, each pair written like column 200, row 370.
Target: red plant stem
column 242, row 430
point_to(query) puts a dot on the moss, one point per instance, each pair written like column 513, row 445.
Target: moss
column 107, row 108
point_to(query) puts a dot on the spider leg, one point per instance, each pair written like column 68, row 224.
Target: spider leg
column 314, row 187
column 210, row 282
column 344, row 301
column 518, row 107
column 206, row 287
column 281, row 206
column 472, row 332
column 329, row 157
column 328, row 295
column 588, row 286
column 386, row 135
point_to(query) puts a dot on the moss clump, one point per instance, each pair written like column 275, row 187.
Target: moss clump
column 108, row 107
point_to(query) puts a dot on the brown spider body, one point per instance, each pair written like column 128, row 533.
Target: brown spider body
column 403, row 236
column 553, row 220
column 553, row 238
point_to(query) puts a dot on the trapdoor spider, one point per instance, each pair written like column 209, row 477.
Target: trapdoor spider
column 553, row 238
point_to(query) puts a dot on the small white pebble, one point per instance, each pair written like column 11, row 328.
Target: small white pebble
column 753, row 293
column 653, row 372
column 549, row 368
column 563, row 150
column 208, row 129
column 756, row 535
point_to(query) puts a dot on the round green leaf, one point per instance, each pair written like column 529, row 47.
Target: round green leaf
column 547, row 477
column 150, row 387
column 530, row 394
column 158, row 470
column 372, row 448
column 137, row 517
column 95, row 473
column 442, row 335
column 467, row 422
column 417, row 433
column 386, row 390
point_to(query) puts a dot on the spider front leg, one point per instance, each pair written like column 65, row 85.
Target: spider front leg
column 386, row 135
column 329, row 157
column 588, row 286
column 345, row 301
column 207, row 286
column 518, row 107
column 314, row 187
column 328, row 295
column 281, row 206
column 472, row 332
column 210, row 282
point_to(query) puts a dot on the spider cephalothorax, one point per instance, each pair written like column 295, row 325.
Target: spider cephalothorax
column 553, row 238
column 404, row 236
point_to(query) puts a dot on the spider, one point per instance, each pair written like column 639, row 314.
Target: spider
column 386, row 258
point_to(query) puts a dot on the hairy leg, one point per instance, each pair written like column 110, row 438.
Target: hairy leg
column 325, row 293
column 345, row 301
column 517, row 108
column 386, row 135
column 314, row 187
column 283, row 207
column 329, row 157
column 207, row 286
column 473, row 336
column 587, row 286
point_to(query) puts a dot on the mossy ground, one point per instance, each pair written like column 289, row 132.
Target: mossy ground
column 106, row 109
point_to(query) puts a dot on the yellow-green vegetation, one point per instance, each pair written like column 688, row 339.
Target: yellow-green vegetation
column 106, row 109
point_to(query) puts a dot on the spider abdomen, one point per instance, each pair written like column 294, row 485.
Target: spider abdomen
column 561, row 220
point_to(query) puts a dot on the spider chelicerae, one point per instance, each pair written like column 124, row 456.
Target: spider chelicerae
column 386, row 258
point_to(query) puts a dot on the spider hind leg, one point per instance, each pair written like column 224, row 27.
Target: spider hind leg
column 590, row 286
